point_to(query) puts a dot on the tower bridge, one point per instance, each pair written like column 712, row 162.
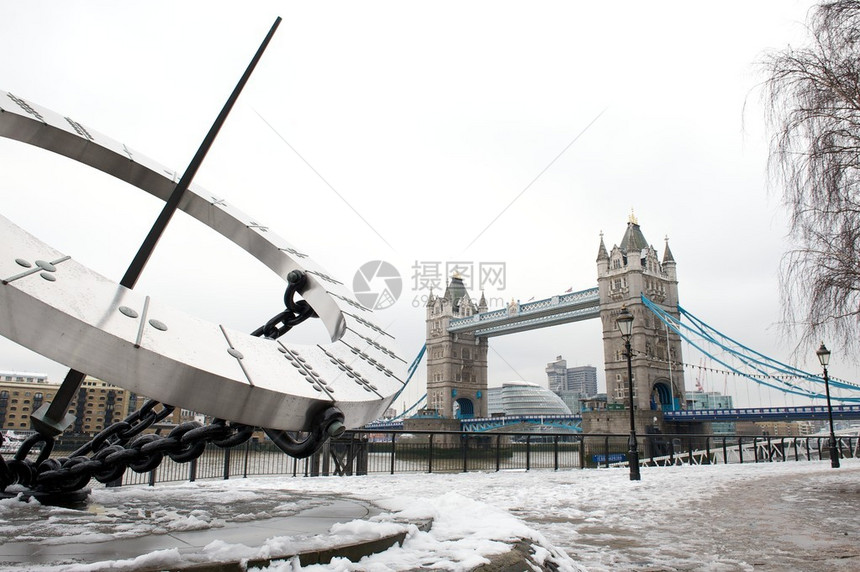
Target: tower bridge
column 458, row 331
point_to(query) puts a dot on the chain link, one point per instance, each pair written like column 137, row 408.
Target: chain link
column 296, row 311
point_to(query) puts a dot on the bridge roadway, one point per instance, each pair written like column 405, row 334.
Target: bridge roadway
column 560, row 309
column 574, row 422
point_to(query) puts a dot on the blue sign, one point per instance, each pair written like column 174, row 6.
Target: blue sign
column 613, row 458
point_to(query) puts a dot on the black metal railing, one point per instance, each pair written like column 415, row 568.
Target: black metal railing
column 368, row 452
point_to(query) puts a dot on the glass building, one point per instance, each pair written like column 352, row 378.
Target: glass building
column 712, row 400
column 523, row 398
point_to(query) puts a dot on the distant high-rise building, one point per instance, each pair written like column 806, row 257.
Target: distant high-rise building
column 571, row 384
column 580, row 379
column 556, row 374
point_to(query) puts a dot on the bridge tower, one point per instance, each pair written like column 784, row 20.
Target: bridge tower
column 624, row 273
column 456, row 363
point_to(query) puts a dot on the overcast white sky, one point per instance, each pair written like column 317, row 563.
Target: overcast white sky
column 428, row 120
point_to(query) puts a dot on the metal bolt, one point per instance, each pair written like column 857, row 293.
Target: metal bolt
column 130, row 312
column 45, row 265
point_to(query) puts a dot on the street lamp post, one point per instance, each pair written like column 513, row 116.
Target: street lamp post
column 824, row 357
column 625, row 324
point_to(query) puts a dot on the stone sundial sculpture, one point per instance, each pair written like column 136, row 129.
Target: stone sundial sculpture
column 63, row 310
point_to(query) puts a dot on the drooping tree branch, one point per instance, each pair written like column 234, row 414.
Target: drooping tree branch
column 813, row 108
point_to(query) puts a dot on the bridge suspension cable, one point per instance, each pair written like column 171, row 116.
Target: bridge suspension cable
column 413, row 367
column 755, row 366
column 421, row 400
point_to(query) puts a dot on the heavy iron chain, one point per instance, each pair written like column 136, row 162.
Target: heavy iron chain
column 118, row 447
column 121, row 445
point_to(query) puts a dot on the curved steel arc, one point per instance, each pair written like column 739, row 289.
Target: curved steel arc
column 96, row 324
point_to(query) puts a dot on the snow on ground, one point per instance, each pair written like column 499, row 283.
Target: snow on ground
column 772, row 516
column 719, row 517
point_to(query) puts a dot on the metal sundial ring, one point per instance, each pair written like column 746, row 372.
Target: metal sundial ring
column 129, row 339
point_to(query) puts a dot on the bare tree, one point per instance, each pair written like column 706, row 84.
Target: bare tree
column 813, row 102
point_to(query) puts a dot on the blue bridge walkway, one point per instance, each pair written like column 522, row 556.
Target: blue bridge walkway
column 574, row 422
column 561, row 309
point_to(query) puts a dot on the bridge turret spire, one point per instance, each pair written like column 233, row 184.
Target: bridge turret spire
column 633, row 239
column 482, row 303
column 455, row 291
column 669, row 265
column 602, row 253
column 602, row 257
column 667, row 254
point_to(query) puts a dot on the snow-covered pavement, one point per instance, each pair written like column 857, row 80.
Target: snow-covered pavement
column 768, row 516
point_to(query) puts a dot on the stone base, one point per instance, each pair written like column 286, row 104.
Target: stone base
column 436, row 424
column 655, row 437
column 648, row 424
column 618, row 421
